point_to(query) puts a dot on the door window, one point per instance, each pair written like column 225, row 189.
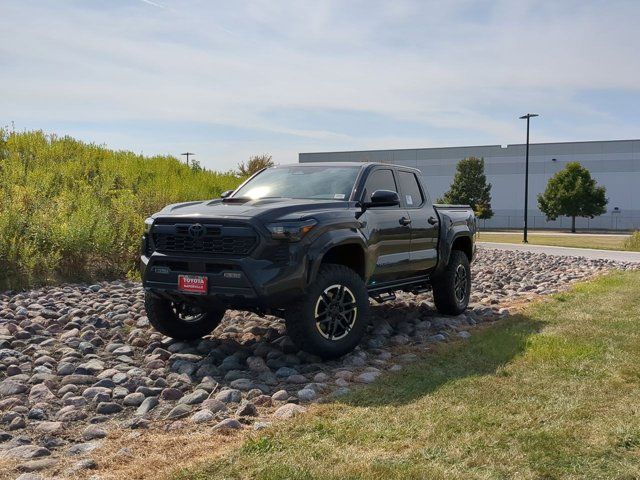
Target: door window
column 410, row 189
column 379, row 180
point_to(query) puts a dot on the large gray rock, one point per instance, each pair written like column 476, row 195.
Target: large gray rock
column 37, row 465
column 228, row 424
column 198, row 396
column 280, row 396
column 214, row 405
column 82, row 448
column 93, row 432
column 26, row 452
column 40, row 393
column 108, row 408
column 133, row 400
column 367, row 377
column 229, row 396
column 179, row 411
column 147, row 405
column 307, row 395
column 289, row 410
column 202, row 416
column 11, row 387
column 247, row 409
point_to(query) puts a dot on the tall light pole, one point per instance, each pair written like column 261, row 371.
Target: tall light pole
column 528, row 116
column 187, row 155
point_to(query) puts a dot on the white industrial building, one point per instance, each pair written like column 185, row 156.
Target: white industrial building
column 614, row 164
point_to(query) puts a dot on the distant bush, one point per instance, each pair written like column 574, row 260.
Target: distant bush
column 255, row 164
column 633, row 242
column 74, row 211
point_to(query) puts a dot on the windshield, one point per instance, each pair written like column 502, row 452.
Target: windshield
column 325, row 183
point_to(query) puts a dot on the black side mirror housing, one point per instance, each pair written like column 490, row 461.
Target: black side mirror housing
column 383, row 198
column 226, row 193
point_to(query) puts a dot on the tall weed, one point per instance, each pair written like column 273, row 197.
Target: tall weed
column 72, row 211
column 633, row 242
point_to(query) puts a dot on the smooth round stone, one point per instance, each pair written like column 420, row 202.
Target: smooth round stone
column 133, row 400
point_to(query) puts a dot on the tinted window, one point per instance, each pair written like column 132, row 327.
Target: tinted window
column 379, row 180
column 410, row 189
column 301, row 181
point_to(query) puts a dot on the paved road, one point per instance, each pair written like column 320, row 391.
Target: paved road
column 566, row 251
column 554, row 233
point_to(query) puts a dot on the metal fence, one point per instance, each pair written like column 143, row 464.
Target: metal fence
column 613, row 222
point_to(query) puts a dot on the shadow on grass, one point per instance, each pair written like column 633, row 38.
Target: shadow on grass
column 490, row 348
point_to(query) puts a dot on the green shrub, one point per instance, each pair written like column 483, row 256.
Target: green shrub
column 74, row 211
column 633, row 242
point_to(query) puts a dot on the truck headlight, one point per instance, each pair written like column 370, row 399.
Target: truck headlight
column 148, row 223
column 292, row 231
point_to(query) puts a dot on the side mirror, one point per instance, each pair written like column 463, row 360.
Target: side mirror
column 226, row 193
column 383, row 198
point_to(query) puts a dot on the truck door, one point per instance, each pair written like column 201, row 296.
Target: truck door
column 388, row 229
column 424, row 223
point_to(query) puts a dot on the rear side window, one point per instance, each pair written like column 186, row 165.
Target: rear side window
column 379, row 180
column 410, row 189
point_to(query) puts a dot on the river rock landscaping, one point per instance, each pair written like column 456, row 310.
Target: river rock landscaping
column 77, row 361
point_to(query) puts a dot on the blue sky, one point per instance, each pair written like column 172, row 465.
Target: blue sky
column 231, row 79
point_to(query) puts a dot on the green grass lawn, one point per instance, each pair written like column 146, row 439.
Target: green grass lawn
column 605, row 242
column 550, row 393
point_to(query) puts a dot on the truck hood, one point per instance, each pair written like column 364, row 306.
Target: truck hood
column 266, row 209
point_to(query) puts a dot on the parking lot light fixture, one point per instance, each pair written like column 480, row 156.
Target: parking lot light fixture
column 528, row 116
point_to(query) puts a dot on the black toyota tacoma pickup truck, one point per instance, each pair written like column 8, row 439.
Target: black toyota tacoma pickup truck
column 308, row 242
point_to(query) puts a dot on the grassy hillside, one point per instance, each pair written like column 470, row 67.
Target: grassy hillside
column 551, row 393
column 72, row 211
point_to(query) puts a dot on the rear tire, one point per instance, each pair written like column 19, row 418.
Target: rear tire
column 452, row 287
column 179, row 320
column 332, row 317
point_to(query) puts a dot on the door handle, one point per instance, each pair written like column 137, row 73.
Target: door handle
column 405, row 221
column 432, row 221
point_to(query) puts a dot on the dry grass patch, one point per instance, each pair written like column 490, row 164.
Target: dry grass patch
column 141, row 454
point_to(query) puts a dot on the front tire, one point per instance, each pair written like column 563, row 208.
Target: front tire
column 452, row 288
column 181, row 321
column 332, row 317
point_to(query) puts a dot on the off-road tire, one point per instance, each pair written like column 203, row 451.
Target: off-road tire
column 300, row 317
column 162, row 316
column 446, row 292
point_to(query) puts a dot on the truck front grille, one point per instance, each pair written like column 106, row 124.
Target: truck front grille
column 210, row 239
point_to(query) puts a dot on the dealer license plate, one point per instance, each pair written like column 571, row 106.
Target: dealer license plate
column 192, row 284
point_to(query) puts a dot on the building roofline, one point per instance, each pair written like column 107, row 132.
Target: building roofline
column 468, row 146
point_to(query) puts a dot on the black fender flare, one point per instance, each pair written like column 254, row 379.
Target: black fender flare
column 328, row 240
column 446, row 244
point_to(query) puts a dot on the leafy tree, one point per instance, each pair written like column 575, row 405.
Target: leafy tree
column 255, row 164
column 470, row 187
column 196, row 166
column 572, row 193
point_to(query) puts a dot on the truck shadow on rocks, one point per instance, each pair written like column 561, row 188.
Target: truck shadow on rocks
column 489, row 352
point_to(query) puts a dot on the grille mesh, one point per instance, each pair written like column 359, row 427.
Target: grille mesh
column 213, row 241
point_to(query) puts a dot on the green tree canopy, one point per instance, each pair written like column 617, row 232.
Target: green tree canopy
column 572, row 193
column 255, row 164
column 470, row 187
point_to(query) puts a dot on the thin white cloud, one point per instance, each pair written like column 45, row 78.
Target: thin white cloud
column 154, row 4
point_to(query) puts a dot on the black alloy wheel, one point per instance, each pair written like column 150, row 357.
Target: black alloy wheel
column 336, row 312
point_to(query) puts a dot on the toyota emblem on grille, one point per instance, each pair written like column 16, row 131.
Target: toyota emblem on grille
column 196, row 230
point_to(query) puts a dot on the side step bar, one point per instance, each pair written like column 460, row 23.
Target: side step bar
column 384, row 297
column 385, row 292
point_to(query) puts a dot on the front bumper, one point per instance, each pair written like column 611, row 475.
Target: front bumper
column 247, row 282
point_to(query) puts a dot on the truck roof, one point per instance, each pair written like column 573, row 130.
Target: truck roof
column 350, row 164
